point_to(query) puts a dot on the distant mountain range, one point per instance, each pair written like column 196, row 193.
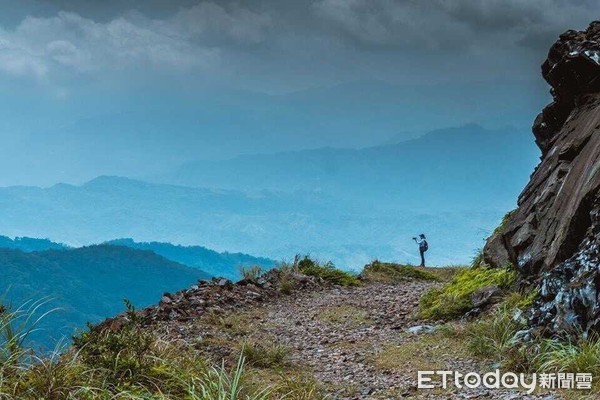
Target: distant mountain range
column 209, row 261
column 87, row 284
column 28, row 244
column 471, row 166
column 349, row 206
column 137, row 132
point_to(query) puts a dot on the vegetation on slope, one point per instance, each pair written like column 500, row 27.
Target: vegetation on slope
column 130, row 362
column 28, row 244
column 325, row 271
column 379, row 271
column 87, row 284
column 126, row 363
column 455, row 298
column 497, row 335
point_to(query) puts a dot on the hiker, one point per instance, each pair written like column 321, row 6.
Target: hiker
column 423, row 247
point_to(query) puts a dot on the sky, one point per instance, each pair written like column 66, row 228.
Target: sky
column 138, row 87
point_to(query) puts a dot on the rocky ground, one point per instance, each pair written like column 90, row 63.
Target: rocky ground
column 352, row 342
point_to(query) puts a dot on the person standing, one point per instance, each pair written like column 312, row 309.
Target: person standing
column 423, row 247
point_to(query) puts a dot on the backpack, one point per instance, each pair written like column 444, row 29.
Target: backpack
column 424, row 245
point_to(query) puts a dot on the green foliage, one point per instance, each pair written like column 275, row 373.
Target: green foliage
column 265, row 356
column 493, row 336
column 125, row 353
column 326, row 271
column 477, row 260
column 504, row 222
column 454, row 299
column 15, row 328
column 520, row 300
column 251, row 273
column 299, row 388
column 219, row 384
column 379, row 271
column 286, row 284
column 122, row 363
column 569, row 356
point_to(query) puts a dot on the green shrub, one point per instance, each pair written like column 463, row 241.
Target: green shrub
column 454, row 299
column 125, row 363
column 126, row 353
column 379, row 271
column 326, row 271
column 287, row 283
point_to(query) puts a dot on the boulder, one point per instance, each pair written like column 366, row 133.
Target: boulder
column 419, row 329
column 485, row 296
column 552, row 238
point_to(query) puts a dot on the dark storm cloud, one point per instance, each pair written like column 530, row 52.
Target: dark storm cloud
column 448, row 24
column 148, row 71
column 269, row 40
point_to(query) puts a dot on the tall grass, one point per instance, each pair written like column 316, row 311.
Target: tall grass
column 495, row 337
column 251, row 273
column 125, row 363
column 16, row 326
column 581, row 355
column 219, row 384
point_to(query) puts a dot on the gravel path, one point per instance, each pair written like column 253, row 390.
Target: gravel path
column 352, row 340
column 343, row 334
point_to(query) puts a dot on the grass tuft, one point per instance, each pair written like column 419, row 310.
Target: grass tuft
column 251, row 273
column 379, row 271
column 265, row 356
column 326, row 271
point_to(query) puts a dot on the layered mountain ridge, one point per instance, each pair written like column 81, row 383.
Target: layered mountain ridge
column 453, row 184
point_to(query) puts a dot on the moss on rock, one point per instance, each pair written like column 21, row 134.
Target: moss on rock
column 455, row 298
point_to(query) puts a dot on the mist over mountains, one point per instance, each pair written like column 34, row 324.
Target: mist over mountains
column 146, row 132
column 471, row 166
column 349, row 206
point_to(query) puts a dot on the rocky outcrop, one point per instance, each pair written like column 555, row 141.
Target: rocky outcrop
column 554, row 235
column 217, row 296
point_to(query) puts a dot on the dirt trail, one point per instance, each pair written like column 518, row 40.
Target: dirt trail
column 355, row 341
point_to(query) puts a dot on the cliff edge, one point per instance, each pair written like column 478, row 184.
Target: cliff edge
column 553, row 237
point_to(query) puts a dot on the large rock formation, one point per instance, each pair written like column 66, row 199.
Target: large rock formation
column 553, row 238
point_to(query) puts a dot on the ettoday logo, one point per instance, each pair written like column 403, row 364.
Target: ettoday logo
column 507, row 380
